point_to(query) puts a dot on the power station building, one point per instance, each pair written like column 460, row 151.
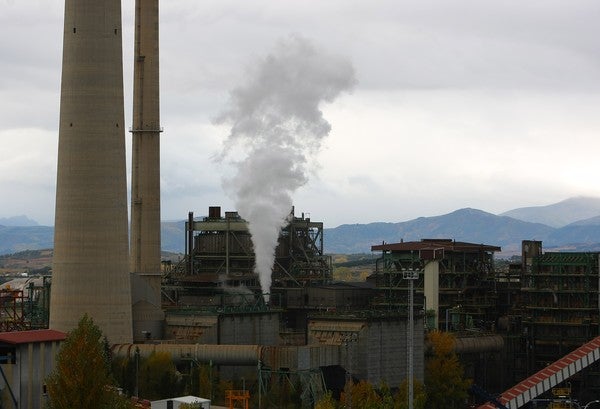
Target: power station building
column 210, row 309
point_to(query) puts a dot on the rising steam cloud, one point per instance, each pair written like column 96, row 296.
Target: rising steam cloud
column 277, row 123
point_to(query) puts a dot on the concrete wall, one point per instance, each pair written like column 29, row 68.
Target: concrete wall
column 385, row 353
column 231, row 329
column 373, row 349
column 259, row 329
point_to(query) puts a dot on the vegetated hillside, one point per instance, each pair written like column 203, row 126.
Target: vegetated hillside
column 559, row 214
column 469, row 225
column 353, row 267
column 32, row 261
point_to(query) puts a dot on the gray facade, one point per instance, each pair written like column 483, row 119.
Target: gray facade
column 372, row 348
column 260, row 328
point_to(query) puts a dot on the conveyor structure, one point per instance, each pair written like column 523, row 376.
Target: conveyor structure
column 549, row 377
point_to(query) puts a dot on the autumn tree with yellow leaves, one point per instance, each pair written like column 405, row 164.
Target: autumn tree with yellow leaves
column 444, row 376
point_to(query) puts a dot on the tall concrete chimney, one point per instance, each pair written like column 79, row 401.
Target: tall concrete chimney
column 145, row 179
column 90, row 273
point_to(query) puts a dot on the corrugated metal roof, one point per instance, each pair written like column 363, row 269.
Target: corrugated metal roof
column 27, row 337
column 431, row 244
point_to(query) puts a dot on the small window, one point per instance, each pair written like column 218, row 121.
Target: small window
column 74, row 29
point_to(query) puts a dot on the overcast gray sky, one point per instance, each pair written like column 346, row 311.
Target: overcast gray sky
column 490, row 105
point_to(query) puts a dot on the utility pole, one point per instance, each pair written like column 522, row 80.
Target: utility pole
column 347, row 339
column 411, row 276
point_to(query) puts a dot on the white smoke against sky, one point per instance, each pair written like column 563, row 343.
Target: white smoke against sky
column 277, row 123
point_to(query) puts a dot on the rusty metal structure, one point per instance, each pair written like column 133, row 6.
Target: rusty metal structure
column 234, row 396
column 12, row 310
column 24, row 304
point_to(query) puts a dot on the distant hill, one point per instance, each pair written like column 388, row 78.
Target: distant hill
column 559, row 214
column 592, row 221
column 173, row 236
column 14, row 239
column 17, row 221
column 19, row 238
column 471, row 225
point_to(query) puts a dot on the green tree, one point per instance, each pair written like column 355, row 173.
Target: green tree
column 124, row 372
column 205, row 381
column 387, row 400
column 444, row 375
column 81, row 378
column 158, row 377
column 419, row 395
column 363, row 395
column 326, row 402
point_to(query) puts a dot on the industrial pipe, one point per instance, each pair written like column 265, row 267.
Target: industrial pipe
column 489, row 343
column 218, row 354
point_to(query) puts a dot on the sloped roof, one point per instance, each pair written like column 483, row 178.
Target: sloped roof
column 27, row 337
column 448, row 245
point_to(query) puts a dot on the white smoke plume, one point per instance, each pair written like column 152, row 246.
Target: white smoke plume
column 277, row 122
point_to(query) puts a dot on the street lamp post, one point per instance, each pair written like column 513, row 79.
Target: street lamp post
column 411, row 276
column 347, row 338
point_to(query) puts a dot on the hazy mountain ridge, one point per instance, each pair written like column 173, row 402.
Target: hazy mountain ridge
column 471, row 225
column 21, row 220
column 19, row 238
column 559, row 214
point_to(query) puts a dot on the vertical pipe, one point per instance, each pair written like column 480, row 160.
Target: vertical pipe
column 410, row 341
column 227, row 236
column 90, row 263
column 190, row 243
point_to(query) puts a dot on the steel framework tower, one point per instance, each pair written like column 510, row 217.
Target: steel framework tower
column 145, row 180
column 90, row 273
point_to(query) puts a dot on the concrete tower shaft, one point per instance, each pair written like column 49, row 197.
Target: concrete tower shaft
column 90, row 273
column 145, row 187
column 145, row 180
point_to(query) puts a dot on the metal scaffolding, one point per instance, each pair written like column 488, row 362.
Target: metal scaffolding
column 562, row 305
column 219, row 257
column 466, row 294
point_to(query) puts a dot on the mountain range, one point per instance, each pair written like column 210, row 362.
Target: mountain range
column 572, row 224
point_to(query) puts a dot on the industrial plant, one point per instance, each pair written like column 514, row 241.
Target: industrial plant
column 520, row 331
